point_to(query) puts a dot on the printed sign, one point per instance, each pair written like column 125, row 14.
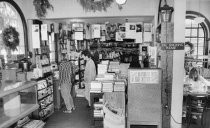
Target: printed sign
column 144, row 76
column 172, row 46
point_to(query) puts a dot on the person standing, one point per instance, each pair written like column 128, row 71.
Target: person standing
column 66, row 72
column 89, row 74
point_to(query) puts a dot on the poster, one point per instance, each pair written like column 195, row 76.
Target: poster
column 119, row 36
column 44, row 32
column 78, row 35
column 144, row 76
column 139, row 27
column 77, row 27
column 130, row 29
column 96, row 31
column 153, row 56
column 138, row 37
column 35, row 36
column 147, row 32
column 103, row 32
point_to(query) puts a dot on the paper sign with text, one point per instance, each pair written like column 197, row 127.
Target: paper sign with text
column 172, row 46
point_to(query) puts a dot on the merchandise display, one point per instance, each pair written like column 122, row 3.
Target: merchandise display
column 107, row 94
column 43, row 73
column 152, row 64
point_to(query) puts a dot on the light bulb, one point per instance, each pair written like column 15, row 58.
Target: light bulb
column 121, row 2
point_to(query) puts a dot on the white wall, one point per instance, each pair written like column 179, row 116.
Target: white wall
column 203, row 8
column 71, row 8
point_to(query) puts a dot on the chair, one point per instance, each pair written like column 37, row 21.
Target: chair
column 196, row 105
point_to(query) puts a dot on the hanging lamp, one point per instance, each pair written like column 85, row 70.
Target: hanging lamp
column 166, row 12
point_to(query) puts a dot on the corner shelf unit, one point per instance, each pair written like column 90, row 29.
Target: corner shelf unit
column 27, row 93
column 44, row 98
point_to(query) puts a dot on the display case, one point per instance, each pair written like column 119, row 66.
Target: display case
column 17, row 100
column 44, row 98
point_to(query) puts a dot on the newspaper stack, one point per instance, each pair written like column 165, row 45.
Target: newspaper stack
column 98, row 109
column 102, row 68
column 114, row 67
column 107, row 86
column 109, row 76
column 106, row 76
column 119, row 86
column 95, row 86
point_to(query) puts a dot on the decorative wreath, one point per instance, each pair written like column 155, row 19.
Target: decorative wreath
column 191, row 46
column 95, row 5
column 41, row 7
column 10, row 38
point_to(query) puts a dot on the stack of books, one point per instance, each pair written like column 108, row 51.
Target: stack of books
column 102, row 68
column 106, row 76
column 107, row 86
column 109, row 76
column 114, row 67
column 98, row 109
column 95, row 86
column 119, row 86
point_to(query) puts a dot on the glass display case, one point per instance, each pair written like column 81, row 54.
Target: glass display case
column 17, row 100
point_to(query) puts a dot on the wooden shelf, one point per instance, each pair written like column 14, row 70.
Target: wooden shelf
column 26, row 109
column 20, row 86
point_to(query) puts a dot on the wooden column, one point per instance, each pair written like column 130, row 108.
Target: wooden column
column 167, row 66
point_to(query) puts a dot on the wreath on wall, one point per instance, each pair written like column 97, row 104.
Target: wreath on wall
column 10, row 38
column 95, row 5
column 41, row 7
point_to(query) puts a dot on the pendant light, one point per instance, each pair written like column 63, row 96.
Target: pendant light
column 166, row 12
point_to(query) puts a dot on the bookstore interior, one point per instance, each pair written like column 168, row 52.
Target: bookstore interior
column 138, row 66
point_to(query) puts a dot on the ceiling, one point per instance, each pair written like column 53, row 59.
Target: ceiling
column 101, row 20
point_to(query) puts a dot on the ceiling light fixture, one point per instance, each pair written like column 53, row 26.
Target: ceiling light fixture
column 121, row 2
column 166, row 12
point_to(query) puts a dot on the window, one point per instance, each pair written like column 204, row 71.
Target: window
column 11, row 15
column 194, row 33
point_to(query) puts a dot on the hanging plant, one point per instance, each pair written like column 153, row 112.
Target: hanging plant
column 10, row 38
column 95, row 5
column 41, row 7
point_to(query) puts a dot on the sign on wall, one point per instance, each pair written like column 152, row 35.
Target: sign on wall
column 144, row 76
column 172, row 46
